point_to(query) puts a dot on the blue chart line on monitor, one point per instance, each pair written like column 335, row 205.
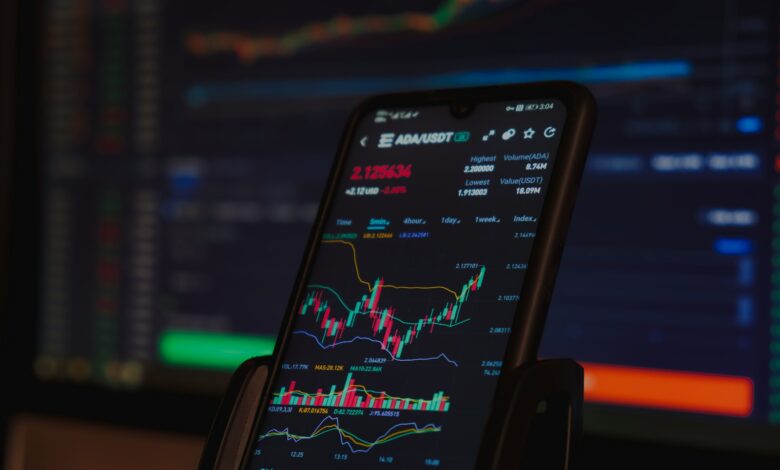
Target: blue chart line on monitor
column 201, row 94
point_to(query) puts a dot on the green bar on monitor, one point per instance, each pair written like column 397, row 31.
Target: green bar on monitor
column 211, row 350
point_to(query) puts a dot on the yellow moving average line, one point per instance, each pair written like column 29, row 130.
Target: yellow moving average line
column 355, row 439
column 386, row 286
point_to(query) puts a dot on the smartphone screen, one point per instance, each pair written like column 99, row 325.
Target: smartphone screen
column 399, row 337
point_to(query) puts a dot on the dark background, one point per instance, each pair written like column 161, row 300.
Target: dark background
column 233, row 180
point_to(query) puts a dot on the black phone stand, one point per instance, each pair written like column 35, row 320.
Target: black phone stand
column 537, row 425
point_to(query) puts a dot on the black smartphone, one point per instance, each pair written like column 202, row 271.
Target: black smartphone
column 427, row 278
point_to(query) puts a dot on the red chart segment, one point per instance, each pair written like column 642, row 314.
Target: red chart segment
column 353, row 395
column 394, row 333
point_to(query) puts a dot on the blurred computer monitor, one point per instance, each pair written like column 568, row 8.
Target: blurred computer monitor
column 183, row 146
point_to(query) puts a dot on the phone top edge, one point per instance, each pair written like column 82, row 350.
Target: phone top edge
column 569, row 92
column 580, row 108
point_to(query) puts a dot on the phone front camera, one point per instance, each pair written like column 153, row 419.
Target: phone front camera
column 461, row 110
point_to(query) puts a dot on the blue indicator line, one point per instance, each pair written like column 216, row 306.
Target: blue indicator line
column 746, row 272
column 733, row 246
column 204, row 93
column 750, row 124
column 325, row 347
column 183, row 184
column 745, row 309
column 336, row 426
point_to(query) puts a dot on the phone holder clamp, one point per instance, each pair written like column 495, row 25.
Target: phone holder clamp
column 536, row 427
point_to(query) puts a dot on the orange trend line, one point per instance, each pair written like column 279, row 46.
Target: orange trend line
column 249, row 48
column 355, row 439
column 386, row 286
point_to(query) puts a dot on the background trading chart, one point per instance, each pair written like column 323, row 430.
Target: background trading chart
column 399, row 338
column 186, row 145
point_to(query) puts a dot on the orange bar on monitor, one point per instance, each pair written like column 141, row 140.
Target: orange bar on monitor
column 671, row 390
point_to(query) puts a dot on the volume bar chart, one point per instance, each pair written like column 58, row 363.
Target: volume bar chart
column 353, row 395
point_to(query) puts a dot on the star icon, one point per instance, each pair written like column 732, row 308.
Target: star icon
column 529, row 133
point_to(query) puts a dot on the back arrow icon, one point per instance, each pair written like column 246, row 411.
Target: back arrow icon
column 363, row 141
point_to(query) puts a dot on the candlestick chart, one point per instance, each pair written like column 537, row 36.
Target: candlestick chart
column 333, row 322
column 399, row 341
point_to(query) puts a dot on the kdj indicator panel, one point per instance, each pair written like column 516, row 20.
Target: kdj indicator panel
column 399, row 338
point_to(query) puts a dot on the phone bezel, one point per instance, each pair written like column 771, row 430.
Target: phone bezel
column 536, row 291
